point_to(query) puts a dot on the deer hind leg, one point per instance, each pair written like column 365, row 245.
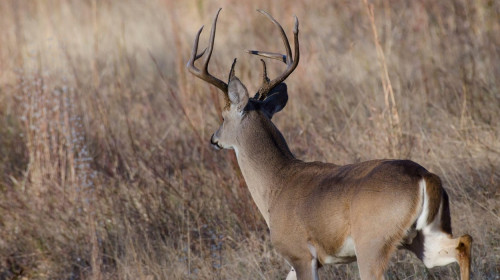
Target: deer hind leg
column 372, row 255
column 370, row 265
column 292, row 275
column 304, row 270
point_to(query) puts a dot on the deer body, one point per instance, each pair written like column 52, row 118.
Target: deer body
column 335, row 210
column 321, row 213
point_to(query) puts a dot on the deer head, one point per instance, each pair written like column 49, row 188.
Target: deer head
column 239, row 107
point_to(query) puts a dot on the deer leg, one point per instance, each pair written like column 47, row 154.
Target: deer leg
column 304, row 270
column 314, row 269
column 372, row 257
column 373, row 253
column 292, row 275
column 369, row 266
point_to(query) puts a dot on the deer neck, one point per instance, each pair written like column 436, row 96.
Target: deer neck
column 263, row 157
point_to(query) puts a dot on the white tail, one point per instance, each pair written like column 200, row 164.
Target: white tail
column 320, row 213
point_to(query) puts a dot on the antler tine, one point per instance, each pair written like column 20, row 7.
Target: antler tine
column 265, row 78
column 190, row 65
column 290, row 61
column 231, row 73
column 265, row 82
column 282, row 33
column 277, row 56
column 201, row 54
column 211, row 41
column 203, row 73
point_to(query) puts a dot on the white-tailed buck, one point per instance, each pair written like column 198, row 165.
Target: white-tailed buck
column 321, row 213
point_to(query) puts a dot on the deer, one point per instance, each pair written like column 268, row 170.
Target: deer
column 323, row 213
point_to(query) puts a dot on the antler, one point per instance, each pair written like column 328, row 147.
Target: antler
column 203, row 73
column 290, row 61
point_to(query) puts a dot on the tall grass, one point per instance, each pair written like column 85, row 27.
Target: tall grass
column 106, row 170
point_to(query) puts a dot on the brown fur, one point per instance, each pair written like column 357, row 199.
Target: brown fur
column 435, row 195
column 464, row 255
column 375, row 202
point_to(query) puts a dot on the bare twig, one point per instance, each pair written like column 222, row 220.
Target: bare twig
column 390, row 101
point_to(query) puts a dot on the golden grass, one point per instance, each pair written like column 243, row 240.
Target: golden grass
column 106, row 170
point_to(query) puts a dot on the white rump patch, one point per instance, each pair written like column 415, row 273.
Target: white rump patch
column 424, row 214
column 439, row 249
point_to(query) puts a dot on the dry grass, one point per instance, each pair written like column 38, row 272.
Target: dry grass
column 105, row 167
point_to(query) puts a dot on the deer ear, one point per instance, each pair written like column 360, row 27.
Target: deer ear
column 238, row 94
column 275, row 101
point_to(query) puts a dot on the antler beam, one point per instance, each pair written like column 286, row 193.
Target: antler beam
column 290, row 61
column 203, row 72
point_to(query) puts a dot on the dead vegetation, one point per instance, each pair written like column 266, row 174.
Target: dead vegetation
column 106, row 169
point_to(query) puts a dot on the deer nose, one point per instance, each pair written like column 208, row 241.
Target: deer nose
column 214, row 143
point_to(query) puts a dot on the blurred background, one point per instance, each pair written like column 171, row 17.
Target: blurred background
column 106, row 171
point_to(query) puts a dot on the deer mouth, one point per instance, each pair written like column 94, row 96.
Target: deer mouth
column 215, row 144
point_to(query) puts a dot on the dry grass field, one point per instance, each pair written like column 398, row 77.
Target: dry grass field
column 106, row 171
